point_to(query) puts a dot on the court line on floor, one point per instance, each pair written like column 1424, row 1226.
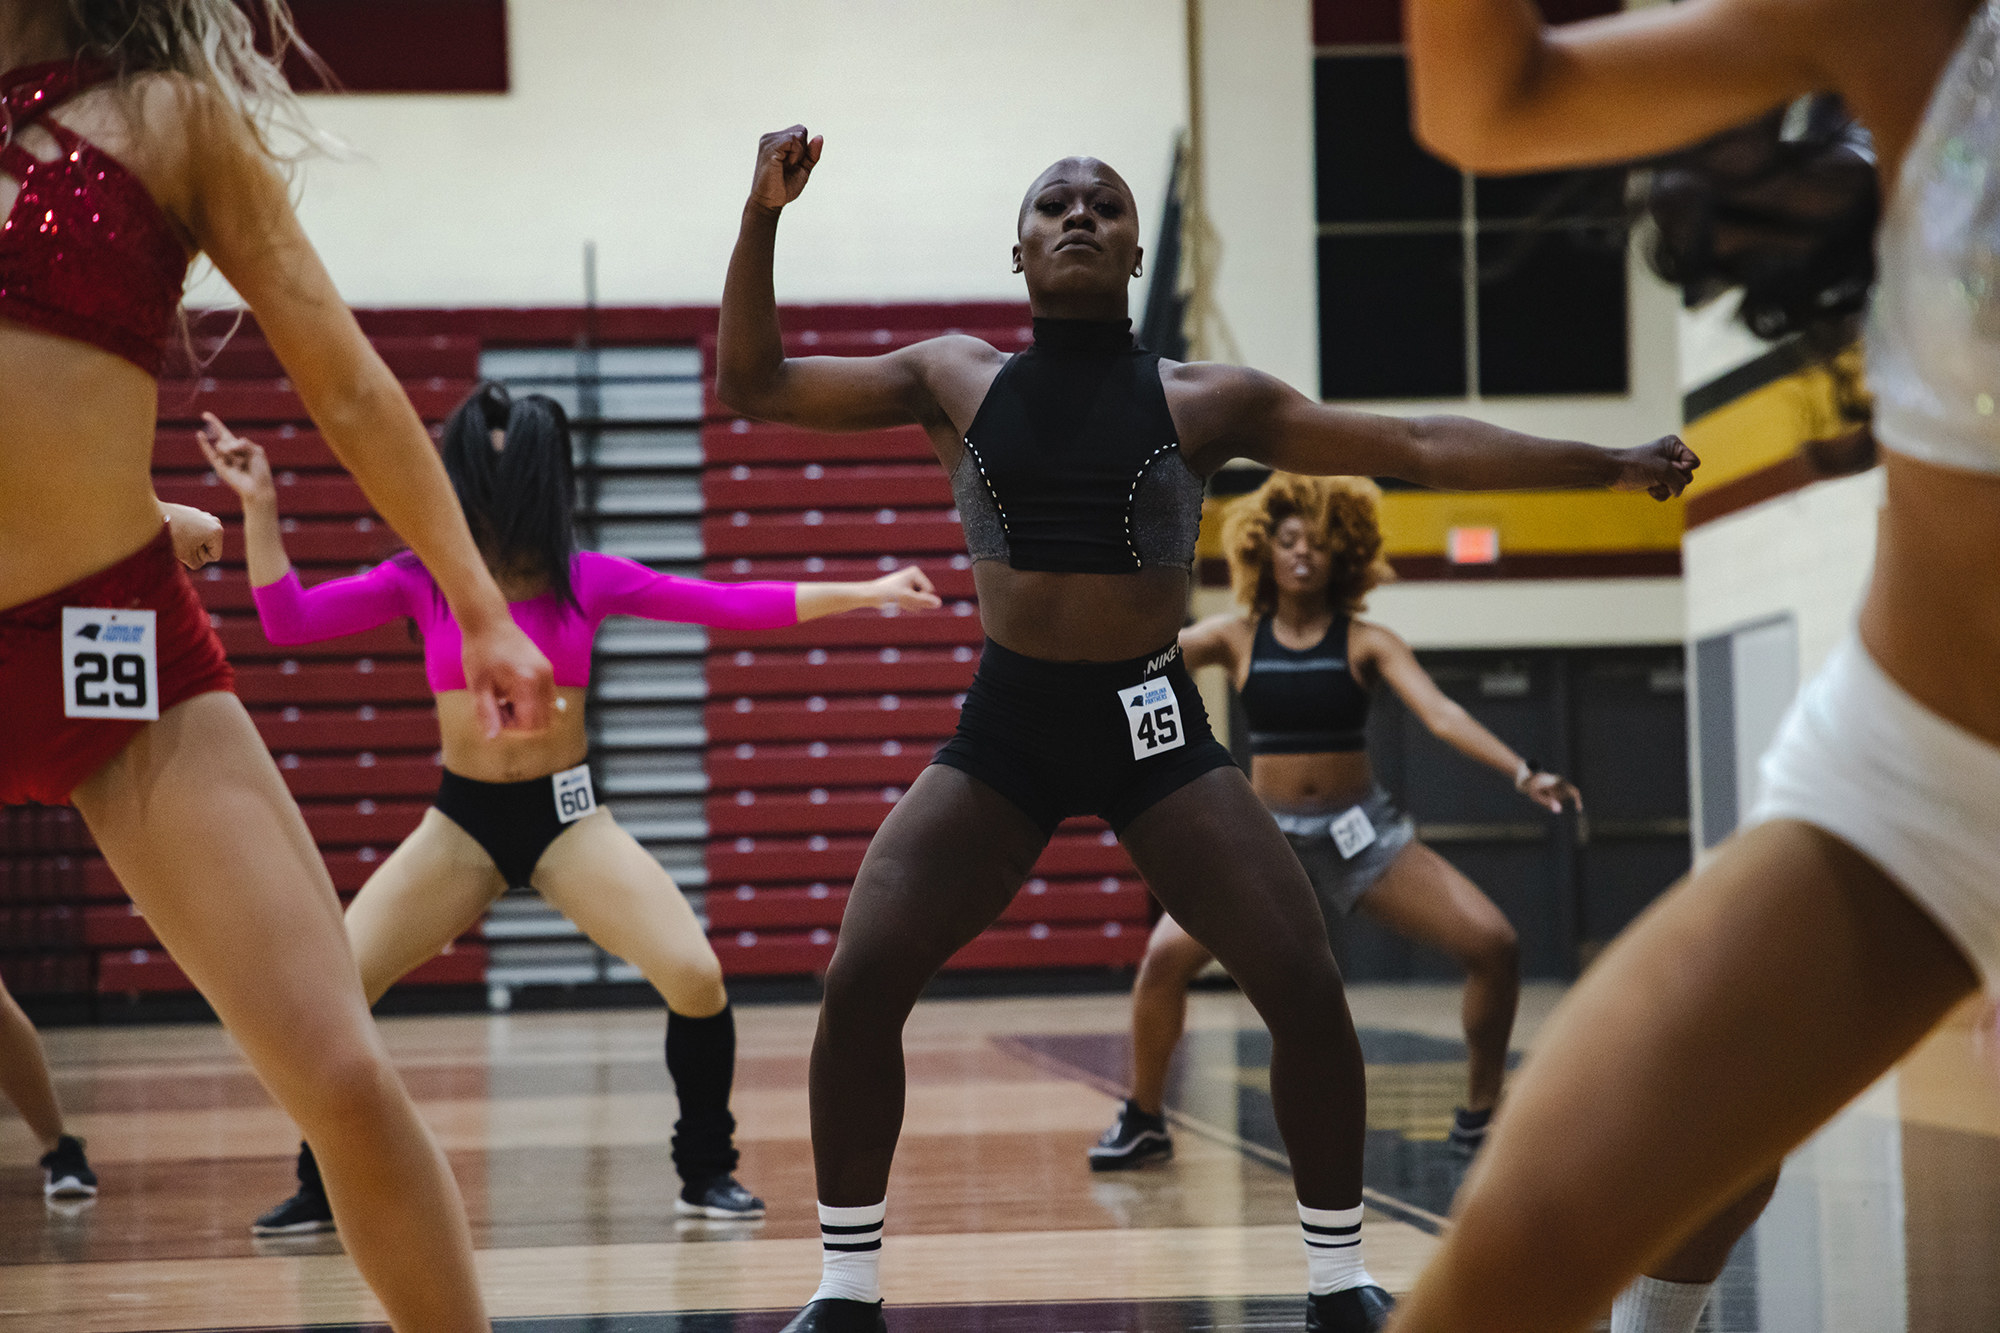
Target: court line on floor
column 1421, row 1218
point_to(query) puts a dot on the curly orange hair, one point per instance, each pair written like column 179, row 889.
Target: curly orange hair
column 1339, row 513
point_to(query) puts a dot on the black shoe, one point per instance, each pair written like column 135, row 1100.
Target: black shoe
column 1468, row 1129
column 66, row 1174
column 833, row 1315
column 721, row 1199
column 1356, row 1310
column 1134, row 1139
column 307, row 1212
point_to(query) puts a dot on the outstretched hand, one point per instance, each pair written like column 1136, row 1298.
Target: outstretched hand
column 908, row 589
column 238, row 462
column 1662, row 469
column 1551, row 791
column 785, row 162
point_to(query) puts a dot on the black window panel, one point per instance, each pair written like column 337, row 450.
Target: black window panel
column 1370, row 168
column 1391, row 317
column 1551, row 312
column 1554, row 193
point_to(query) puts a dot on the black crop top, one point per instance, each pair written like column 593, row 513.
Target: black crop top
column 1306, row 700
column 1072, row 464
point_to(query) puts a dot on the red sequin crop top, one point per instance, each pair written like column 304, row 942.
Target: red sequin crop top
column 86, row 252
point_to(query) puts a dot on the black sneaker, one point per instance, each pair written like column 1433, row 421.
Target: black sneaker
column 1356, row 1310
column 722, row 1199
column 66, row 1174
column 1468, row 1129
column 833, row 1315
column 1134, row 1139
column 306, row 1213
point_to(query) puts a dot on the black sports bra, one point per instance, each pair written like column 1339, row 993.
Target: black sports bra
column 1304, row 700
column 1072, row 464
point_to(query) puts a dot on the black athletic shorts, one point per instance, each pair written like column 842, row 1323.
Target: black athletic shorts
column 516, row 821
column 1083, row 738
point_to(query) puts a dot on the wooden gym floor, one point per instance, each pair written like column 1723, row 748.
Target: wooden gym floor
column 556, row 1126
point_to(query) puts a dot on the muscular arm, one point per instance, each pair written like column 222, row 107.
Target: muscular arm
column 1493, row 89
column 753, row 374
column 1231, row 412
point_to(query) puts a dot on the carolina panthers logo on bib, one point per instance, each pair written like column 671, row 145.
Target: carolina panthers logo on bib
column 1153, row 713
column 575, row 797
column 111, row 664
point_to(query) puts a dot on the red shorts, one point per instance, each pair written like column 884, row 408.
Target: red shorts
column 44, row 754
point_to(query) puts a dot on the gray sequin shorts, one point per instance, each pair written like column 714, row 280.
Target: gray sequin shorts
column 1341, row 880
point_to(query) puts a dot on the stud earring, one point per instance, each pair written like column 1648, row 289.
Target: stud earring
column 1139, row 269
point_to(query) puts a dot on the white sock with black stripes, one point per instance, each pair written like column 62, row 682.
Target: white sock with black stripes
column 1650, row 1305
column 1333, row 1249
column 850, row 1241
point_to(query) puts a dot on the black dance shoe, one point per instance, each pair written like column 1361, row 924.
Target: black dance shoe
column 1134, row 1139
column 721, row 1199
column 833, row 1315
column 66, row 1173
column 1356, row 1310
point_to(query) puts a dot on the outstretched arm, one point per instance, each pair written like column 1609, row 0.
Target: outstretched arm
column 1238, row 413
column 288, row 610
column 1493, row 89
column 242, row 217
column 612, row 585
column 753, row 374
column 1447, row 720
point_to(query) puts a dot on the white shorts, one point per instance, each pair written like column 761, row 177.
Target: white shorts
column 1915, row 794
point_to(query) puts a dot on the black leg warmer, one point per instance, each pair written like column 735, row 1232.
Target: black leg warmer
column 701, row 1058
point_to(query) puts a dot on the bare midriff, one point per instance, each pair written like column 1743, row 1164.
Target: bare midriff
column 1081, row 617
column 76, row 455
column 1309, row 784
column 1932, row 616
column 511, row 756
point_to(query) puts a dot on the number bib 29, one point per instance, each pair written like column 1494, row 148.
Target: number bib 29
column 111, row 664
column 574, row 795
column 1154, row 715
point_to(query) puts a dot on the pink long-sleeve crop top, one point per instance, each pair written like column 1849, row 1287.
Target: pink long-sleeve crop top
column 605, row 585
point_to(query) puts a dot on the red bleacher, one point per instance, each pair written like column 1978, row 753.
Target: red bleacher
column 815, row 731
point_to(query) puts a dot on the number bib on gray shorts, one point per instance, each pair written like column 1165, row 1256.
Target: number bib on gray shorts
column 1346, row 851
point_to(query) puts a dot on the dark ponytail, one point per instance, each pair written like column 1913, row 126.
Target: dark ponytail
column 521, row 500
column 1784, row 208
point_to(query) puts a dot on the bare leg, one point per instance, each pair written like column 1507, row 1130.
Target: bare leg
column 1424, row 898
column 602, row 879
column 428, row 893
column 198, row 826
column 598, row 876
column 1737, row 1016
column 1159, row 1009
column 1215, row 858
column 943, row 866
column 1703, row 1256
column 24, row 1073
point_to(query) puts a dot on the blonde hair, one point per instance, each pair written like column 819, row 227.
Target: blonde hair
column 213, row 43
column 1339, row 514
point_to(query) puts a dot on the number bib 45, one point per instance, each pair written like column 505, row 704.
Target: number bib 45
column 1154, row 715
column 111, row 664
column 575, row 797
